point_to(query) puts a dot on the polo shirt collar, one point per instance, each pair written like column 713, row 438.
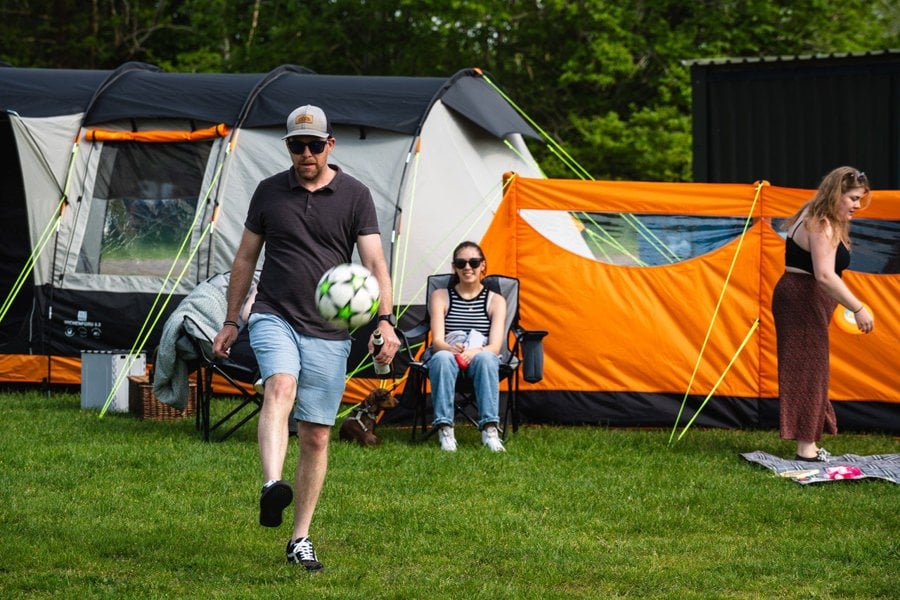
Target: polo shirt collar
column 332, row 185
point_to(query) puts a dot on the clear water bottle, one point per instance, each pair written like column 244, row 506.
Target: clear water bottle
column 378, row 343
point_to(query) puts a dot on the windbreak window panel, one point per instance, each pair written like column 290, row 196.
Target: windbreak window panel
column 628, row 239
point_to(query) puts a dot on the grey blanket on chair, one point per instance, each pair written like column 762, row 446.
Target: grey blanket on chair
column 206, row 306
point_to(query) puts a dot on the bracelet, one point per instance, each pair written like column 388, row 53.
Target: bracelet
column 229, row 322
column 859, row 309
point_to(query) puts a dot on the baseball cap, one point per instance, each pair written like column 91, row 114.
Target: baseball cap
column 307, row 120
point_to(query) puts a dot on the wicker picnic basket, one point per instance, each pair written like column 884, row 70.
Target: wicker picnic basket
column 144, row 405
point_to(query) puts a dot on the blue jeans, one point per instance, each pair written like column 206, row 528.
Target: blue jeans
column 484, row 371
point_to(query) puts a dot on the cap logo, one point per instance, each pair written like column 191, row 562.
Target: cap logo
column 307, row 118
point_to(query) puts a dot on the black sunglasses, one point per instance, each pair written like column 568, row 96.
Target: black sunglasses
column 315, row 146
column 859, row 176
column 460, row 263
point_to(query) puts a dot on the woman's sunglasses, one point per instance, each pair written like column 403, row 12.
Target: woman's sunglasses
column 460, row 263
column 315, row 147
column 858, row 177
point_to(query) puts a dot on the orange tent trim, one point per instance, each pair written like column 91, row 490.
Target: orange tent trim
column 157, row 136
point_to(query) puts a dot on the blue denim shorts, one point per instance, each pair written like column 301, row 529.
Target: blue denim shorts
column 320, row 366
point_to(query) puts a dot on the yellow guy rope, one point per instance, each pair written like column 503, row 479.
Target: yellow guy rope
column 406, row 224
column 35, row 253
column 557, row 150
column 139, row 343
column 712, row 322
column 42, row 241
column 152, row 319
column 401, row 258
column 737, row 352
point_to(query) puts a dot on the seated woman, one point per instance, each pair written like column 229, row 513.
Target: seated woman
column 467, row 329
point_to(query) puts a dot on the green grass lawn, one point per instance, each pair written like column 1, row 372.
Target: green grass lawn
column 122, row 508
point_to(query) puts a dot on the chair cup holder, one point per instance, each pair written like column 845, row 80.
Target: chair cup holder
column 533, row 356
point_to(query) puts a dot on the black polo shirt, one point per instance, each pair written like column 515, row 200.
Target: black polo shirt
column 306, row 233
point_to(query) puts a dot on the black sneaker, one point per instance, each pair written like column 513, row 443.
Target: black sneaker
column 301, row 552
column 274, row 497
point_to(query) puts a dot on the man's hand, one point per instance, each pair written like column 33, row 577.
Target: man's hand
column 391, row 344
column 224, row 340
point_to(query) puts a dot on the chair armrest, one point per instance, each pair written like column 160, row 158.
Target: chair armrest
column 419, row 331
column 526, row 335
column 530, row 334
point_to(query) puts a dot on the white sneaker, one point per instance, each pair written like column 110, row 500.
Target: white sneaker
column 490, row 437
column 447, row 439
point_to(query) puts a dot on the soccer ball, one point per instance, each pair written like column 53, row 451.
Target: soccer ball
column 347, row 296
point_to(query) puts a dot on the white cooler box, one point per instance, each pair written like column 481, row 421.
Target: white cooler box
column 99, row 371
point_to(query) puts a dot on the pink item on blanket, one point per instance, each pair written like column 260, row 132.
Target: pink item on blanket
column 844, row 472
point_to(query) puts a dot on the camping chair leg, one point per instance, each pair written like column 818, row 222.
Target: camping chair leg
column 420, row 414
column 207, row 385
column 419, row 424
column 237, row 426
column 198, row 415
column 427, row 434
column 504, row 426
column 512, row 403
column 418, row 418
column 426, row 430
column 510, row 415
column 245, row 401
column 461, row 409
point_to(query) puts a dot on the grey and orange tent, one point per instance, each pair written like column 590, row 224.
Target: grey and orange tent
column 124, row 189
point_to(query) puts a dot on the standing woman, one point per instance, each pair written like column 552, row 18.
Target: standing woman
column 468, row 325
column 817, row 250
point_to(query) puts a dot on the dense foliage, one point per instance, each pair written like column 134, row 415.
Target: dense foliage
column 607, row 80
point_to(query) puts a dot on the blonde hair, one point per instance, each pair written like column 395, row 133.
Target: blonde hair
column 822, row 207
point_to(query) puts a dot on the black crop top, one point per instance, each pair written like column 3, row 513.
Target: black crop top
column 797, row 257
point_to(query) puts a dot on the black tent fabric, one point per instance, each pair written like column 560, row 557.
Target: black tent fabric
column 25, row 90
column 390, row 103
column 14, row 243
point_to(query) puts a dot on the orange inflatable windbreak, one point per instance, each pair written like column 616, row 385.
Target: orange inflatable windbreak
column 641, row 329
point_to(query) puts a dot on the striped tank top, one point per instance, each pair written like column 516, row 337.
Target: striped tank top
column 463, row 315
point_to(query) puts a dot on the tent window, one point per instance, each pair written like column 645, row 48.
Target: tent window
column 145, row 199
column 652, row 240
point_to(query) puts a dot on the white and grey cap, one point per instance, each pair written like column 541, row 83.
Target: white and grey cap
column 307, row 120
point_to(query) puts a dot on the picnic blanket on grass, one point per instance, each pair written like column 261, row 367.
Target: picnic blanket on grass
column 838, row 468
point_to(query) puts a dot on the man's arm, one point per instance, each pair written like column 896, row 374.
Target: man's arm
column 242, row 271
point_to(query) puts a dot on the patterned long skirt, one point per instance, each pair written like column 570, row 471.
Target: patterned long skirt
column 802, row 312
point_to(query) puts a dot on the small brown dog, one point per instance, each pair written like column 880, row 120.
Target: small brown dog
column 359, row 426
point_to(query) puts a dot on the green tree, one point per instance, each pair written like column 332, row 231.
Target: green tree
column 99, row 34
column 607, row 81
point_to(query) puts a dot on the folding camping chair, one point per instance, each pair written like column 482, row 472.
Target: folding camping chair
column 523, row 351
column 186, row 347
column 239, row 370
